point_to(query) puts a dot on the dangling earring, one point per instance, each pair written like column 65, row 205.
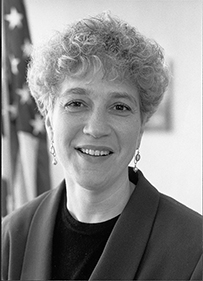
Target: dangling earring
column 137, row 158
column 53, row 153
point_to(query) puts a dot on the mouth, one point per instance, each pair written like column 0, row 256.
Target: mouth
column 95, row 152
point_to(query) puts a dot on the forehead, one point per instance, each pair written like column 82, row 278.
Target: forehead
column 96, row 85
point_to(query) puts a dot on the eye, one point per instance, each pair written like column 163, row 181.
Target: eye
column 74, row 105
column 121, row 107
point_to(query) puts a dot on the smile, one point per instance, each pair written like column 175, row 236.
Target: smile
column 95, row 153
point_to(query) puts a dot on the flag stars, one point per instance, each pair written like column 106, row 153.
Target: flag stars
column 24, row 94
column 26, row 48
column 14, row 18
column 14, row 64
column 13, row 109
column 37, row 124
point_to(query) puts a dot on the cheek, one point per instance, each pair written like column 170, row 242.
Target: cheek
column 62, row 131
column 66, row 132
column 130, row 135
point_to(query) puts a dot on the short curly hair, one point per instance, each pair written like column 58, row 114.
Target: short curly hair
column 99, row 42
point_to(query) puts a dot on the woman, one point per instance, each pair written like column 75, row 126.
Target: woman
column 97, row 84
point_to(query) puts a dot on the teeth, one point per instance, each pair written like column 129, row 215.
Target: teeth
column 95, row 152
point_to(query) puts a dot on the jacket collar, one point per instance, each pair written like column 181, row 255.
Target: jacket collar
column 38, row 252
column 125, row 247
column 123, row 252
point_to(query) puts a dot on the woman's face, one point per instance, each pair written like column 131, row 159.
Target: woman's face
column 96, row 127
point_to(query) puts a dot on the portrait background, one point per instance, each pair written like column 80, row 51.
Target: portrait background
column 170, row 158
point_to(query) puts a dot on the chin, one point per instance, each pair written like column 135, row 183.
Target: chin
column 91, row 182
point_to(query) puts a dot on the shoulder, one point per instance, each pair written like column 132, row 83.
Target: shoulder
column 181, row 222
column 174, row 224
column 175, row 244
column 18, row 226
column 173, row 217
column 170, row 211
column 177, row 210
column 22, row 217
column 177, row 234
column 24, row 213
column 15, row 230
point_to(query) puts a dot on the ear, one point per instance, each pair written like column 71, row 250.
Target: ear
column 48, row 126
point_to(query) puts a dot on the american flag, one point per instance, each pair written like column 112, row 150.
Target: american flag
column 25, row 156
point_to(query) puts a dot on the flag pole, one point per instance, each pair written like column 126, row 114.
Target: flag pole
column 6, row 121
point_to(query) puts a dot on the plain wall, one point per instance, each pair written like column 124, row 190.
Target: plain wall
column 171, row 160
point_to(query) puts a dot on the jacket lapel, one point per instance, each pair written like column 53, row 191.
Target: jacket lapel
column 37, row 258
column 124, row 250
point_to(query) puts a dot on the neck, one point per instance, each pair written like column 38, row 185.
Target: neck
column 94, row 206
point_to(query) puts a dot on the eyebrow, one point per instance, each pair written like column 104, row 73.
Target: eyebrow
column 114, row 95
column 124, row 95
column 76, row 91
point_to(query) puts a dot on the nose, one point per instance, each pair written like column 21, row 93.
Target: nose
column 97, row 124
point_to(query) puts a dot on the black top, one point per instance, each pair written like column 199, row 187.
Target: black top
column 77, row 246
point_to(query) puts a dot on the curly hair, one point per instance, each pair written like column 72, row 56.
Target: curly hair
column 101, row 42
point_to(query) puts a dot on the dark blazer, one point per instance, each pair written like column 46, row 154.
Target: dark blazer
column 155, row 238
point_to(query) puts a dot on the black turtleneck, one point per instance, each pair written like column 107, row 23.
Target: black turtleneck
column 77, row 246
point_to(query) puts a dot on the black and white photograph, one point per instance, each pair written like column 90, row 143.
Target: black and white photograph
column 101, row 140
